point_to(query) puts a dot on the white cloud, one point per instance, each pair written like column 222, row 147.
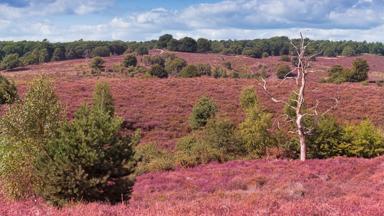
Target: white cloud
column 235, row 19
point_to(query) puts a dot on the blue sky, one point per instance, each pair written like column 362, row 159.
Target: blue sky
column 67, row 20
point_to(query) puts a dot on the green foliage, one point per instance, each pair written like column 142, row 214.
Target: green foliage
column 142, row 50
column 265, row 55
column 58, row 54
column 101, row 51
column 203, row 45
column 359, row 71
column 204, row 109
column 8, row 91
column 219, row 72
column 151, row 158
column 254, row 130
column 158, row 71
column 283, row 71
column 295, row 61
column 152, row 60
column 10, row 62
column 252, row 52
column 227, row 65
column 97, row 65
column 192, row 151
column 102, row 98
column 89, row 159
column 130, row 61
column 189, row 71
column 174, row 66
column 348, row 51
column 187, row 44
column 204, row 69
column 163, row 41
column 25, row 130
column 363, row 140
column 221, row 135
column 325, row 138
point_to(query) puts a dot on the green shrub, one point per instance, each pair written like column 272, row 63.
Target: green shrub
column 191, row 151
column 151, row 158
column 153, row 60
column 363, row 140
column 130, row 61
column 348, row 51
column 174, row 66
column 254, row 130
column 221, row 135
column 204, row 69
column 158, row 71
column 101, row 51
column 359, row 71
column 295, row 61
column 142, row 50
column 283, row 71
column 10, row 62
column 325, row 138
column 97, row 65
column 202, row 111
column 102, row 98
column 8, row 91
column 189, row 71
column 219, row 72
column 25, row 131
column 88, row 160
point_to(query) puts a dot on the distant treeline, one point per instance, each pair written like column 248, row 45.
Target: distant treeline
column 13, row 54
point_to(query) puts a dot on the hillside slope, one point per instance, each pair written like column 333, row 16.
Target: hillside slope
column 337, row 186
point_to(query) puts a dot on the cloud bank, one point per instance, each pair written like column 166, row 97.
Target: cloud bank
column 228, row 19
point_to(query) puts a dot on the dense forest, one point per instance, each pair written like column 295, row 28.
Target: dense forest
column 14, row 54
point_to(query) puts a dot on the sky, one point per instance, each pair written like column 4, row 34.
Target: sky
column 128, row 20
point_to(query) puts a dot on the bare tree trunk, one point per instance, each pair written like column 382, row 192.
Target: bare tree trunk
column 301, row 82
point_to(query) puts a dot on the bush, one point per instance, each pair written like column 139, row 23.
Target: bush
column 163, row 41
column 10, row 62
column 254, row 130
column 204, row 69
column 158, row 71
column 58, row 54
column 97, row 65
column 219, row 72
column 102, row 98
column 203, row 45
column 359, row 71
column 295, row 61
column 348, row 51
column 174, row 66
column 130, row 61
column 152, row 60
column 8, row 91
column 325, row 139
column 221, row 135
column 202, row 111
column 265, row 55
column 283, row 71
column 187, row 44
column 151, row 158
column 88, row 160
column 252, row 52
column 142, row 50
column 25, row 131
column 191, row 151
column 189, row 71
column 363, row 140
column 101, row 51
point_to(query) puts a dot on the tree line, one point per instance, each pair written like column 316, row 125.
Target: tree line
column 14, row 54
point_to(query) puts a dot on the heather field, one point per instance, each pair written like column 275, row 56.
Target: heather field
column 160, row 108
column 337, row 186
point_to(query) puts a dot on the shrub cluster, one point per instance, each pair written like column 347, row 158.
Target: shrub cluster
column 86, row 159
column 283, row 71
column 358, row 72
column 8, row 91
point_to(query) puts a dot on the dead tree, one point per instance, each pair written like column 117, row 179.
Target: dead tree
column 302, row 70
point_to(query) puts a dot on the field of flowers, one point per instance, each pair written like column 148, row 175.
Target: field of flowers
column 160, row 108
